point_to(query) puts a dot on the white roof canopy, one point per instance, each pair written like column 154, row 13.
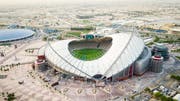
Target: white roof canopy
column 125, row 49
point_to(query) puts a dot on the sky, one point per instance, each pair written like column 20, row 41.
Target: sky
column 49, row 2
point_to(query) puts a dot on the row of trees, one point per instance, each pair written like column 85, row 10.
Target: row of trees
column 11, row 65
column 3, row 68
column 165, row 40
column 161, row 97
column 9, row 96
column 82, row 28
column 176, row 50
column 176, row 77
column 5, row 44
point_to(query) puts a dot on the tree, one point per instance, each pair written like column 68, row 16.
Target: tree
column 156, row 39
column 11, row 97
column 161, row 97
column 147, row 89
column 176, row 77
column 157, row 95
column 59, row 37
column 44, row 38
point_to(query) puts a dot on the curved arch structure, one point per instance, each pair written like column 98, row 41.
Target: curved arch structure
column 124, row 51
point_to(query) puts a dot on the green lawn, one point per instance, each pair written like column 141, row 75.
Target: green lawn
column 178, row 57
column 75, row 33
column 5, row 44
column 88, row 54
column 85, row 21
column 85, row 31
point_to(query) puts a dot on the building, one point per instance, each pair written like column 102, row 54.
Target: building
column 156, row 64
column 7, row 35
column 162, row 50
column 177, row 97
column 122, row 56
column 142, row 63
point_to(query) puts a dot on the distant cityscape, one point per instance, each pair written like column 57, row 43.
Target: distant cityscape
column 90, row 51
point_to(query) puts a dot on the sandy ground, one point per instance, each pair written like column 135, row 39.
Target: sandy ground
column 34, row 89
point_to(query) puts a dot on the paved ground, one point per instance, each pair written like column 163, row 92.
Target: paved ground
column 34, row 89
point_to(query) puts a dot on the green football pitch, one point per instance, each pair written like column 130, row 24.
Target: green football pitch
column 88, row 54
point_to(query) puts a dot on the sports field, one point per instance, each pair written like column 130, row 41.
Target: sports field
column 88, row 54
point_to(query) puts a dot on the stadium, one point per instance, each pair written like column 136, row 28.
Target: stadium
column 8, row 35
column 97, row 57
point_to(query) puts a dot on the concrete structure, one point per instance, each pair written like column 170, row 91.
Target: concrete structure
column 156, row 64
column 40, row 63
column 142, row 63
column 177, row 97
column 161, row 49
column 175, row 30
column 125, row 55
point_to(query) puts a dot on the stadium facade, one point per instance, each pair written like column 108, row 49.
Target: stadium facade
column 125, row 55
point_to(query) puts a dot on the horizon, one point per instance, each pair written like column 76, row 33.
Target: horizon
column 81, row 2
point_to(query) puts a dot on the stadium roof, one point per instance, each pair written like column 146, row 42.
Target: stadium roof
column 125, row 49
column 14, row 34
